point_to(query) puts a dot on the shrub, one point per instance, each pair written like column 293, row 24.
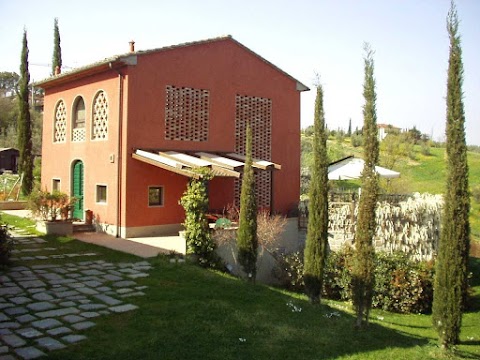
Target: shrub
column 357, row 140
column 289, row 270
column 401, row 285
column 197, row 232
column 6, row 246
column 48, row 206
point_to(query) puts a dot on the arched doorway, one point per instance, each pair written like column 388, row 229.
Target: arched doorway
column 77, row 189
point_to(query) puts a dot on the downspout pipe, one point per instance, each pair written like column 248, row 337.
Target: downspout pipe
column 119, row 151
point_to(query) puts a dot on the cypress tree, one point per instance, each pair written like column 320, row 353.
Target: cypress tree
column 247, row 241
column 450, row 285
column 317, row 231
column 24, row 130
column 363, row 265
column 57, row 50
column 349, row 132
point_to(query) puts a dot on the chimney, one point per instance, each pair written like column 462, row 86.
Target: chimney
column 57, row 70
column 132, row 46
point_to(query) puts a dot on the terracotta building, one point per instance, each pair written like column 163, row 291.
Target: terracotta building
column 124, row 135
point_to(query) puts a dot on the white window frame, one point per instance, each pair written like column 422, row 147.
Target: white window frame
column 97, row 200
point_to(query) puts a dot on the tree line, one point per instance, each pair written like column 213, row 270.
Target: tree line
column 450, row 284
column 20, row 119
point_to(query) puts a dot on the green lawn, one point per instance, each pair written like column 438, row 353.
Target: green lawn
column 191, row 313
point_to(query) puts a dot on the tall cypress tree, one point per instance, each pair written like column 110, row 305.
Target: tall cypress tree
column 247, row 241
column 363, row 266
column 24, row 126
column 450, row 286
column 57, row 50
column 317, row 231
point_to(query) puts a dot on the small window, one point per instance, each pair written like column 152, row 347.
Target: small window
column 101, row 194
column 56, row 185
column 79, row 113
column 155, row 196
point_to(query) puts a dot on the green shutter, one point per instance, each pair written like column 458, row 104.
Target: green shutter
column 78, row 190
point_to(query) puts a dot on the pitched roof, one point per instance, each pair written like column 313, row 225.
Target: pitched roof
column 130, row 59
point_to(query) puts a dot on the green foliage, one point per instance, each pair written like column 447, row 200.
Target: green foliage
column 197, row 232
column 50, row 205
column 25, row 162
column 452, row 261
column 401, row 285
column 317, row 231
column 363, row 265
column 357, row 140
column 57, row 50
column 247, row 240
column 6, row 246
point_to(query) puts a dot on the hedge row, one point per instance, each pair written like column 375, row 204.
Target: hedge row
column 401, row 285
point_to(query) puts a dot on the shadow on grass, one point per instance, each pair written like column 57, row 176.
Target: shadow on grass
column 190, row 313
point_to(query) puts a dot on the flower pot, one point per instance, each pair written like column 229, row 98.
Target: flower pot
column 55, row 227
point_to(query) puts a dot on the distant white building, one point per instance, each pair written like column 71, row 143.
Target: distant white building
column 384, row 130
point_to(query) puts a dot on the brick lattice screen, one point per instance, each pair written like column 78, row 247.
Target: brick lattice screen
column 100, row 117
column 60, row 123
column 257, row 111
column 186, row 114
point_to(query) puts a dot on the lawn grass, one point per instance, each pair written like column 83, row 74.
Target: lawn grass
column 192, row 313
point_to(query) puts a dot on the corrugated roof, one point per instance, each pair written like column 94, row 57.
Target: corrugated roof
column 125, row 59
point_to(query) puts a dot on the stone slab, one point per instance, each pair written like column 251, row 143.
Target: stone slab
column 71, row 339
column 42, row 296
column 83, row 325
column 107, row 299
column 20, row 300
column 11, row 290
column 50, row 343
column 29, row 353
column 9, row 325
column 123, row 308
column 89, row 314
column 72, row 319
column 124, row 283
column 58, row 312
column 59, row 331
column 41, row 306
column 46, row 323
column 29, row 333
column 32, row 284
column 20, row 310
column 13, row 340
column 26, row 318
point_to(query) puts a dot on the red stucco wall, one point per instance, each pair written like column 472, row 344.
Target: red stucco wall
column 58, row 158
column 224, row 68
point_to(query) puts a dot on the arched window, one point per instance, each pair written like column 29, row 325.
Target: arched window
column 100, row 117
column 78, row 125
column 60, row 123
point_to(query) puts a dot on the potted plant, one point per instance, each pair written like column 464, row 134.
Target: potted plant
column 53, row 209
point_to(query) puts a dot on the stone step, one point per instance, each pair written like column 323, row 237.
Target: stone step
column 83, row 228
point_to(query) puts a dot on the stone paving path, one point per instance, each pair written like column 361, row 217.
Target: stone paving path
column 45, row 307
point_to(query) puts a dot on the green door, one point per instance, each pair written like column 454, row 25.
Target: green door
column 78, row 190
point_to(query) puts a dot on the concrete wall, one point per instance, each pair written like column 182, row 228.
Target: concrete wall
column 288, row 242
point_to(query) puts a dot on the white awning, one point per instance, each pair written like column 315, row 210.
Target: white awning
column 183, row 163
column 351, row 168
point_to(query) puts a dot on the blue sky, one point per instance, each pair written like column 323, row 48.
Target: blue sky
column 302, row 37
